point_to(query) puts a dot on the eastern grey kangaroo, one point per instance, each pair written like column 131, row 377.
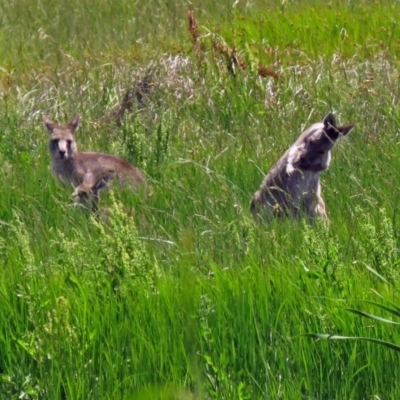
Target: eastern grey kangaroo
column 88, row 172
column 292, row 186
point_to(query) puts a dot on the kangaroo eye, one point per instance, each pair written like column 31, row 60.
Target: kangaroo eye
column 69, row 142
column 56, row 141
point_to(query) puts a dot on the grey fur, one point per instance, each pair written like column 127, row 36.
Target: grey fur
column 292, row 186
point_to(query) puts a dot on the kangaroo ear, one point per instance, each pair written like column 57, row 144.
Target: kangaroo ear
column 74, row 123
column 344, row 130
column 329, row 120
column 330, row 127
column 101, row 184
column 48, row 123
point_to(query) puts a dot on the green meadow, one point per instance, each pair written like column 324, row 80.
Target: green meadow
column 180, row 294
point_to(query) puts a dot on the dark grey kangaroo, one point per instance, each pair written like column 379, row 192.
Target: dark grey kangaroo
column 292, row 186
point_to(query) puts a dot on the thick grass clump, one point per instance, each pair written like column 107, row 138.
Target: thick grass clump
column 181, row 295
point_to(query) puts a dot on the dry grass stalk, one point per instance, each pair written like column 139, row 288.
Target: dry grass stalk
column 134, row 96
column 265, row 72
column 235, row 61
column 233, row 58
column 194, row 31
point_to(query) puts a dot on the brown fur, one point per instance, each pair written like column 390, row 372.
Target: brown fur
column 292, row 186
column 88, row 172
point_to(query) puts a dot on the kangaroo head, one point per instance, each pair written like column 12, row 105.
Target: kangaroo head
column 315, row 143
column 62, row 143
column 87, row 194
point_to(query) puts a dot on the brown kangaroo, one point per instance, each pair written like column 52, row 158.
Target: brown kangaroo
column 88, row 172
column 292, row 185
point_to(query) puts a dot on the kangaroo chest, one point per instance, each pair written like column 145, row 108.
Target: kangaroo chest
column 303, row 183
column 65, row 171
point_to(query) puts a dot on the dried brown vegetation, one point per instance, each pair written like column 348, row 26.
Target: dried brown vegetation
column 133, row 99
column 170, row 74
column 234, row 60
column 194, row 32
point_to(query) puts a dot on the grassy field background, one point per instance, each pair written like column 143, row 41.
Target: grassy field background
column 181, row 295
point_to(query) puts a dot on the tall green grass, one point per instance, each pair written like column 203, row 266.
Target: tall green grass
column 182, row 295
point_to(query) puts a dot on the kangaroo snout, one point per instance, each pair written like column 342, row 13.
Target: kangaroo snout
column 64, row 148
